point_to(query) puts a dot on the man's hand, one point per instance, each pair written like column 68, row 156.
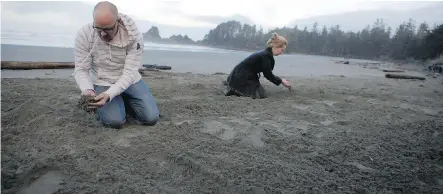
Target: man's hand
column 88, row 93
column 100, row 100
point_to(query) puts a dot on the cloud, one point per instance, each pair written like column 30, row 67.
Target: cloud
column 45, row 13
column 215, row 20
column 157, row 11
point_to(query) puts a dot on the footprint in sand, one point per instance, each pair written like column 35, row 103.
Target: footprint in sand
column 184, row 97
column 361, row 167
column 326, row 122
column 328, row 102
column 255, row 138
column 300, row 125
column 301, row 106
column 124, row 139
column 277, row 127
column 219, row 130
column 228, row 128
column 423, row 109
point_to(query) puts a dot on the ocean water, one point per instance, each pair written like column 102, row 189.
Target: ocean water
column 26, row 46
column 64, row 40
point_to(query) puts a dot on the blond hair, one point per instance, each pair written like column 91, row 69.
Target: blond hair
column 277, row 41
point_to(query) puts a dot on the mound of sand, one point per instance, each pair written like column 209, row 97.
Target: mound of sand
column 333, row 135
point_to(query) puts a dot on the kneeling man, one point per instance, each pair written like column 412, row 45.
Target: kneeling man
column 112, row 47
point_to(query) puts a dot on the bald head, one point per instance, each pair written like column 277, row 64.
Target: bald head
column 105, row 13
column 105, row 20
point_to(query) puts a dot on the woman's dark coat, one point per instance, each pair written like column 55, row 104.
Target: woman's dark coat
column 244, row 78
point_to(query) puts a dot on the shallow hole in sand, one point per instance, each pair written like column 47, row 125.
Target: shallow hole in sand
column 343, row 122
column 47, row 183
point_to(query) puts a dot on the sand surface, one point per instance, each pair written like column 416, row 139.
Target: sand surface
column 333, row 135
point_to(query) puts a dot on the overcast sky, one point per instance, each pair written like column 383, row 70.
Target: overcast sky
column 268, row 12
column 196, row 17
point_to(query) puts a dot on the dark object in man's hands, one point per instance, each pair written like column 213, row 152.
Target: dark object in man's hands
column 84, row 103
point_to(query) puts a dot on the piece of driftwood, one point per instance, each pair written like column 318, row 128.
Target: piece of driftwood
column 155, row 66
column 25, row 65
column 393, row 70
column 342, row 62
column 436, row 67
column 401, row 76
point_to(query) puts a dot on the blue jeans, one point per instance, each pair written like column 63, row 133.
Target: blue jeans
column 137, row 101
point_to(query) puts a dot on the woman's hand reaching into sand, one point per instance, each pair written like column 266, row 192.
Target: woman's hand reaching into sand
column 100, row 100
column 286, row 83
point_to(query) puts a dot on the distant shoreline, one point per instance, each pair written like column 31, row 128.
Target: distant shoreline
column 260, row 48
column 203, row 61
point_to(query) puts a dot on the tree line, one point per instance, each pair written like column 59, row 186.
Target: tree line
column 376, row 41
column 153, row 35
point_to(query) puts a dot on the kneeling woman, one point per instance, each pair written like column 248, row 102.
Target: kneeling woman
column 244, row 78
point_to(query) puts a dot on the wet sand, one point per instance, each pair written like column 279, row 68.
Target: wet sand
column 333, row 135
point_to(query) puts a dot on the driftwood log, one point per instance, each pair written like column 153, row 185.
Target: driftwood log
column 24, row 65
column 393, row 70
column 342, row 62
column 154, row 66
column 400, row 76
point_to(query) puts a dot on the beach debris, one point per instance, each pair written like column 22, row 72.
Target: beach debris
column 342, row 62
column 393, row 70
column 26, row 65
column 436, row 67
column 402, row 76
column 219, row 73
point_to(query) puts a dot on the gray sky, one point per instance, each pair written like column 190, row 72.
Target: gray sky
column 186, row 13
column 196, row 17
